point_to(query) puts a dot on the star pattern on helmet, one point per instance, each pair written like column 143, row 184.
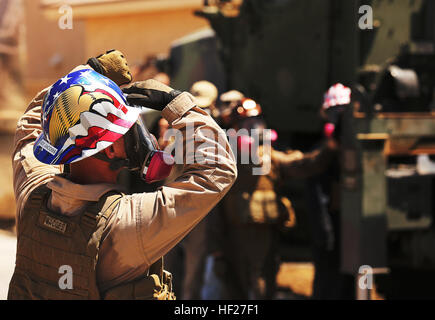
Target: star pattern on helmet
column 65, row 79
column 95, row 128
column 80, row 77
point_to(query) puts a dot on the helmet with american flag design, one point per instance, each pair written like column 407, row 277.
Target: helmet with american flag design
column 82, row 114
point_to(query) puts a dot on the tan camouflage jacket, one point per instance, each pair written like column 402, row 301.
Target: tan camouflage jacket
column 147, row 225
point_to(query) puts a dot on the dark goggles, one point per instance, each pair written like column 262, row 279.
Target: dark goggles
column 145, row 156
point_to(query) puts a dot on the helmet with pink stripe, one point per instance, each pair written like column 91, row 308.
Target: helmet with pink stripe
column 336, row 95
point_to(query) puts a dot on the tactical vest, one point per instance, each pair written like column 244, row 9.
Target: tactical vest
column 49, row 245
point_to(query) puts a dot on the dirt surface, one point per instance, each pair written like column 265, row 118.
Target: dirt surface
column 7, row 200
column 7, row 261
column 294, row 280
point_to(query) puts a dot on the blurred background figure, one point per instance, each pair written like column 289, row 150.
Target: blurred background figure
column 11, row 16
column 205, row 94
column 152, row 67
column 161, row 128
column 228, row 103
column 243, row 233
column 321, row 167
column 187, row 260
column 163, row 78
column 324, row 203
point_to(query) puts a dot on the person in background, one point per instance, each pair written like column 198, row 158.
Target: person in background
column 243, row 233
column 187, row 260
column 163, row 78
column 321, row 168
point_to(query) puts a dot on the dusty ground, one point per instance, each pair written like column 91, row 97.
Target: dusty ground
column 294, row 279
column 7, row 201
column 7, row 261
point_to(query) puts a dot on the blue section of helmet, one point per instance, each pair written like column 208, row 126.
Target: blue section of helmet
column 65, row 153
column 40, row 153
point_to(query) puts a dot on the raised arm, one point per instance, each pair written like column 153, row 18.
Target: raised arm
column 150, row 224
column 303, row 165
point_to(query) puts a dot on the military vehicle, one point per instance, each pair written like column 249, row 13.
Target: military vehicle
column 285, row 54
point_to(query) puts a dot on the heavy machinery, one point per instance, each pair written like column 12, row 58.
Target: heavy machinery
column 285, row 54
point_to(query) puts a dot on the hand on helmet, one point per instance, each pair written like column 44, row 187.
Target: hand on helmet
column 150, row 94
column 113, row 65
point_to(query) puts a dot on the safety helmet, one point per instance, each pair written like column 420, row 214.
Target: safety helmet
column 229, row 101
column 236, row 108
column 205, row 93
column 336, row 95
column 84, row 113
column 245, row 114
column 232, row 95
column 335, row 101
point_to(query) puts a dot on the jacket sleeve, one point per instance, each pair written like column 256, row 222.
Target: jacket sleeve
column 306, row 165
column 28, row 172
column 148, row 225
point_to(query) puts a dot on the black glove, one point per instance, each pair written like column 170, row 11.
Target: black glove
column 150, row 94
column 113, row 65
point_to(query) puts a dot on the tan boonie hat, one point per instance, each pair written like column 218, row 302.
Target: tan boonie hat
column 205, row 93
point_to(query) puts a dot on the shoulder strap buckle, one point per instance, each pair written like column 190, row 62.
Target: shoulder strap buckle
column 101, row 209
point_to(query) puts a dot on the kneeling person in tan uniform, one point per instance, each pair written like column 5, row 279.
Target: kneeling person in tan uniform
column 82, row 221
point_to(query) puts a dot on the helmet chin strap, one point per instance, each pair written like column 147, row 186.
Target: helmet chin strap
column 115, row 163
